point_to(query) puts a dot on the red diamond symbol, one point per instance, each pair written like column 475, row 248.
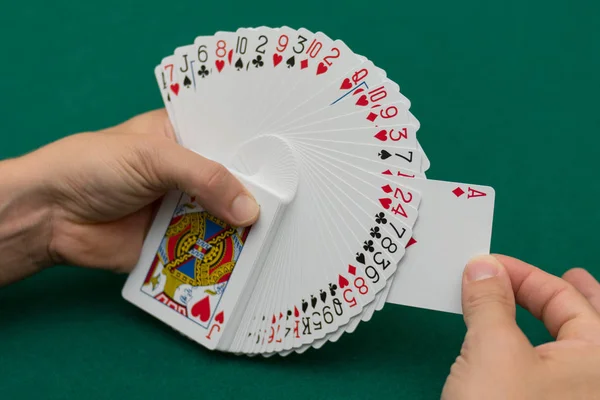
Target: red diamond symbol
column 304, row 64
column 411, row 241
column 352, row 269
column 386, row 188
column 371, row 117
column 458, row 192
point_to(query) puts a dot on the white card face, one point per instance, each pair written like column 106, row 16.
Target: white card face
column 454, row 225
column 396, row 157
column 335, row 58
column 194, row 267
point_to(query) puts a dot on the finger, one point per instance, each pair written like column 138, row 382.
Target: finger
column 154, row 122
column 487, row 298
column 586, row 284
column 489, row 312
column 565, row 312
column 174, row 167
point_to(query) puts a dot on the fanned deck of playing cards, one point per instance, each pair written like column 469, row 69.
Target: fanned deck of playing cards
column 327, row 145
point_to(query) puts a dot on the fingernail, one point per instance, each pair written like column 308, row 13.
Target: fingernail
column 482, row 267
column 244, row 208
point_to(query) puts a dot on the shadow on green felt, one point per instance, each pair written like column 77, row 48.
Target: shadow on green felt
column 66, row 295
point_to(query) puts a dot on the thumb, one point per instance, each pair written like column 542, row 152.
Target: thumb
column 215, row 188
column 487, row 297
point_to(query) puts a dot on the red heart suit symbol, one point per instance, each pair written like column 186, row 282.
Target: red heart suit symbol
column 362, row 100
column 276, row 59
column 346, row 84
column 175, row 88
column 386, row 203
column 220, row 317
column 382, row 135
column 322, row 68
column 219, row 64
column 343, row 282
column 202, row 309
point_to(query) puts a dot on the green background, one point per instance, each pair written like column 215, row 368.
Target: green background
column 507, row 93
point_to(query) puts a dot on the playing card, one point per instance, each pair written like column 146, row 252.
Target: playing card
column 194, row 267
column 455, row 224
column 330, row 60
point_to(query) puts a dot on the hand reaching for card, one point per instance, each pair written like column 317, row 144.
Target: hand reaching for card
column 498, row 362
column 88, row 199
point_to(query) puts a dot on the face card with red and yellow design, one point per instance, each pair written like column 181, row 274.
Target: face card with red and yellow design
column 194, row 262
column 194, row 266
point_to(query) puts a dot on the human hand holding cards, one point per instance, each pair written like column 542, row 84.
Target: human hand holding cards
column 327, row 145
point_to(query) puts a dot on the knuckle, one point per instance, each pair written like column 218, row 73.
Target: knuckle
column 147, row 156
column 145, row 152
column 217, row 177
column 493, row 332
column 482, row 299
column 147, row 164
column 168, row 129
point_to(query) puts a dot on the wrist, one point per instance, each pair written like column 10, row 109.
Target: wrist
column 25, row 220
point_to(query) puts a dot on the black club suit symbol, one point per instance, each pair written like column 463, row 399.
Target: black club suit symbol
column 380, row 218
column 203, row 72
column 258, row 61
column 376, row 232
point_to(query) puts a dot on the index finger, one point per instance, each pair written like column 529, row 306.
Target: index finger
column 562, row 308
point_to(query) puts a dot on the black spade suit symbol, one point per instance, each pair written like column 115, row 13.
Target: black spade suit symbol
column 360, row 257
column 239, row 64
column 384, row 155
column 291, row 62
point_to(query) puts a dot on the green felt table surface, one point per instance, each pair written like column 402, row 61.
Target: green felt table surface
column 507, row 94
